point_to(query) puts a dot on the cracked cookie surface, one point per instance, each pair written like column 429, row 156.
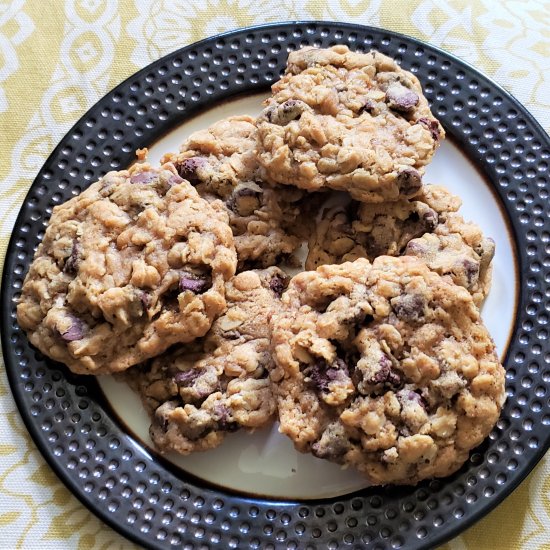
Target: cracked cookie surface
column 426, row 226
column 135, row 263
column 386, row 367
column 197, row 393
column 349, row 121
column 221, row 163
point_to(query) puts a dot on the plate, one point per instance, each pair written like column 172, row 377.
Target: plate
column 265, row 462
column 156, row 503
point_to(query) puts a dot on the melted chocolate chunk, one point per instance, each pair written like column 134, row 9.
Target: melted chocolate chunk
column 409, row 181
column 194, row 283
column 244, row 200
column 415, row 247
column 187, row 169
column 72, row 262
column 144, row 177
column 409, row 307
column 432, row 126
column 385, row 374
column 320, row 374
column 75, row 331
column 224, row 422
column 431, row 219
column 471, row 269
column 284, row 113
column 278, row 285
column 186, row 378
column 401, row 98
column 174, row 179
column 333, row 443
column 382, row 374
column 160, row 418
column 410, row 396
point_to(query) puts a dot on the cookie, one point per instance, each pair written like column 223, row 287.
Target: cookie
column 426, row 226
column 459, row 250
column 135, row 263
column 348, row 121
column 385, row 367
column 199, row 392
column 221, row 163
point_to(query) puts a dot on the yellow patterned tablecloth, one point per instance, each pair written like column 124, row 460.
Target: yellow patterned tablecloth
column 58, row 58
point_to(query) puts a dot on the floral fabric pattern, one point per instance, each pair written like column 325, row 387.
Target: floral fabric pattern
column 58, row 58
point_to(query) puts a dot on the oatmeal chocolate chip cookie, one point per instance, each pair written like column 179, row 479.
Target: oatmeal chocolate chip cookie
column 221, row 163
column 346, row 229
column 135, row 263
column 459, row 250
column 348, row 121
column 201, row 391
column 386, row 367
column 426, row 226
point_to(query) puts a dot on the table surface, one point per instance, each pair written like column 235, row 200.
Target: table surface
column 58, row 58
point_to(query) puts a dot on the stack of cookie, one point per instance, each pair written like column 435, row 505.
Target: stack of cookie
column 172, row 276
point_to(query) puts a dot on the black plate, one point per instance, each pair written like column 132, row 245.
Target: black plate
column 142, row 497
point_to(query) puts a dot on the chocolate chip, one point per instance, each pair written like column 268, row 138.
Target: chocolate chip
column 278, row 285
column 292, row 108
column 75, row 331
column 409, row 307
column 316, row 375
column 368, row 107
column 284, row 113
column 160, row 418
column 345, row 228
column 144, row 177
column 423, row 219
column 414, row 248
column 333, row 450
column 409, row 181
column 186, row 378
column 320, row 374
column 245, row 199
column 385, row 373
column 194, row 283
column 401, row 98
column 471, row 269
column 71, row 263
column 409, row 396
column 174, row 179
column 224, row 422
column 432, row 126
column 394, row 378
column 333, row 443
column 431, row 219
column 188, row 169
